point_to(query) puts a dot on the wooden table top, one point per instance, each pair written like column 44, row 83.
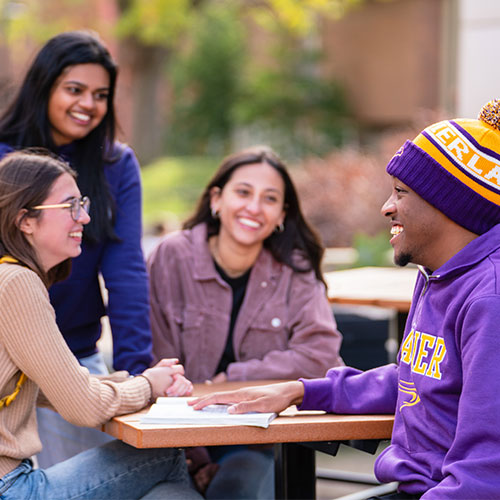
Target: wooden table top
column 389, row 287
column 290, row 426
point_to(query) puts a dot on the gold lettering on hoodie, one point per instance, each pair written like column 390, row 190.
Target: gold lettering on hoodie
column 424, row 353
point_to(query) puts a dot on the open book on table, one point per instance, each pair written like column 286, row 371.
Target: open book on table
column 175, row 411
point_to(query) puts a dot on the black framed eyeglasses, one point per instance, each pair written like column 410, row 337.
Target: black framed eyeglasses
column 75, row 205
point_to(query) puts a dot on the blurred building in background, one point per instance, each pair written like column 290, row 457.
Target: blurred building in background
column 400, row 57
column 390, row 58
column 477, row 42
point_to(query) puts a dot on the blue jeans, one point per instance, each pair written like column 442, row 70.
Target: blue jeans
column 113, row 471
column 244, row 473
column 62, row 440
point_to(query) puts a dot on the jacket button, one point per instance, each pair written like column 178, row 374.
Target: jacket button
column 263, row 284
column 276, row 322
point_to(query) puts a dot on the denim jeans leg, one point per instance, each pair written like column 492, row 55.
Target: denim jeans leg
column 244, row 473
column 10, row 478
column 113, row 471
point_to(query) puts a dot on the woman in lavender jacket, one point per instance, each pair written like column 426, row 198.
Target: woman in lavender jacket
column 239, row 295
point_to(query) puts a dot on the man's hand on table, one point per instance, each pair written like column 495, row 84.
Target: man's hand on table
column 264, row 398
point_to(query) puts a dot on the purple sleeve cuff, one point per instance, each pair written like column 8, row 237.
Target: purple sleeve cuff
column 317, row 394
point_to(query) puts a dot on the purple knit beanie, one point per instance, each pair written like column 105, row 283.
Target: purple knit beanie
column 455, row 166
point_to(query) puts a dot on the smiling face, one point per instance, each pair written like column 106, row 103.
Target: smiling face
column 250, row 205
column 420, row 233
column 78, row 102
column 54, row 235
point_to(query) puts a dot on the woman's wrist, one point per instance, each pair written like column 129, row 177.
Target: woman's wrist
column 151, row 395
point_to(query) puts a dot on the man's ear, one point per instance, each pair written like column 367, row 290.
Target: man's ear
column 24, row 223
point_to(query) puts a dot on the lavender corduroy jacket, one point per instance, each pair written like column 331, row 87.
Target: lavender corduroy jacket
column 285, row 328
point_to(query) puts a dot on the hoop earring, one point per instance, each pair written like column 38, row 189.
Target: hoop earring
column 215, row 214
column 280, row 228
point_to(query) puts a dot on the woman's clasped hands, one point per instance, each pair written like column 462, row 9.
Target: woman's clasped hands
column 167, row 379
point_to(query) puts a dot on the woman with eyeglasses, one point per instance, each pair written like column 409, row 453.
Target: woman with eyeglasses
column 239, row 295
column 42, row 216
column 65, row 104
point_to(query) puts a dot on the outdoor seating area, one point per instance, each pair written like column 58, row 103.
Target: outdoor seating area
column 249, row 249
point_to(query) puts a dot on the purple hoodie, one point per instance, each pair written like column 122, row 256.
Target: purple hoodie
column 446, row 437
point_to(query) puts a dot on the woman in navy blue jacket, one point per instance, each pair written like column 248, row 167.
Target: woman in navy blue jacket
column 65, row 104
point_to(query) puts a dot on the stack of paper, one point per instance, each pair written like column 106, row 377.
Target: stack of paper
column 175, row 411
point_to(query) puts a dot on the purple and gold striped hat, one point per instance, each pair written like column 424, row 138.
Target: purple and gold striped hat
column 455, row 166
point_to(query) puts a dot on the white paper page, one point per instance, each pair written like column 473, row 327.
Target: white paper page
column 175, row 411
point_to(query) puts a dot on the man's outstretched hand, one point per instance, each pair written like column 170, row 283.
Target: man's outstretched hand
column 264, row 398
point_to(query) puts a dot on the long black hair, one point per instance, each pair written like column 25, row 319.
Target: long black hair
column 297, row 235
column 26, row 124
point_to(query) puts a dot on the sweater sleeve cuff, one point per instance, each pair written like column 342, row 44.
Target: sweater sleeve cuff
column 317, row 394
column 151, row 398
column 137, row 396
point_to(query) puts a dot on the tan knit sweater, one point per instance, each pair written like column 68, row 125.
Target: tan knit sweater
column 30, row 341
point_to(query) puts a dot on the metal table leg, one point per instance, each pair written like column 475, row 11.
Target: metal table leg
column 295, row 466
column 295, row 472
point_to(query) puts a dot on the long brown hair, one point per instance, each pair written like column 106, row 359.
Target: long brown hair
column 297, row 233
column 26, row 178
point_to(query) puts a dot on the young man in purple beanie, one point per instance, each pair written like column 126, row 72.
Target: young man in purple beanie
column 445, row 216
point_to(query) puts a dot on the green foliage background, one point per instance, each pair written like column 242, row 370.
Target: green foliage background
column 207, row 82
column 172, row 186
column 223, row 94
